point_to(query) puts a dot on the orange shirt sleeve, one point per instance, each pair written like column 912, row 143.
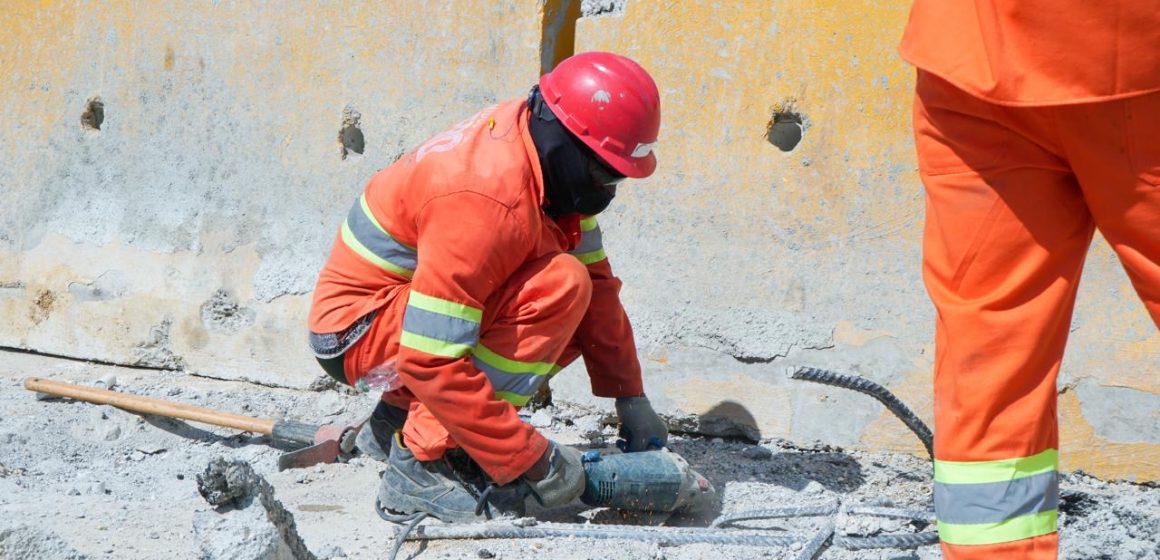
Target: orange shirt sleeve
column 605, row 334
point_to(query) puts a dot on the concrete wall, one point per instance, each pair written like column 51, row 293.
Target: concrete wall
column 188, row 230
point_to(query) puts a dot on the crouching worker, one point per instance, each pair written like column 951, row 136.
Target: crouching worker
column 470, row 271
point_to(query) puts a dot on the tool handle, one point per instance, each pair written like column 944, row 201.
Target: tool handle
column 147, row 405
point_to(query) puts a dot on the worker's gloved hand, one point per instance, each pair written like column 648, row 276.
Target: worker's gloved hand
column 640, row 427
column 558, row 477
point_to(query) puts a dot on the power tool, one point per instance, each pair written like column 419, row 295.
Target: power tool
column 659, row 481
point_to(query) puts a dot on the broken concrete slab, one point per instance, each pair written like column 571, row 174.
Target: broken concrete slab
column 247, row 523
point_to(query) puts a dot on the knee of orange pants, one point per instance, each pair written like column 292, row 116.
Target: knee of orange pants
column 1044, row 547
column 531, row 318
column 534, row 315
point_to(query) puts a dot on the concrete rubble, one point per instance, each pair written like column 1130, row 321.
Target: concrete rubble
column 84, row 481
column 247, row 521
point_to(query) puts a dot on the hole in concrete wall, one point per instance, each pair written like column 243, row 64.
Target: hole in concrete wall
column 94, row 114
column 350, row 135
column 221, row 312
column 784, row 130
column 45, row 299
column 593, row 8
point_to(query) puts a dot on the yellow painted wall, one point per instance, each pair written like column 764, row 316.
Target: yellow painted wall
column 218, row 166
column 218, row 170
column 829, row 232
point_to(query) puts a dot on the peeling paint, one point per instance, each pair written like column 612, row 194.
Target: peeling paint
column 1120, row 414
column 107, row 286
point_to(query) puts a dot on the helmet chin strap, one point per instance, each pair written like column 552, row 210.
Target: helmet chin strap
column 569, row 185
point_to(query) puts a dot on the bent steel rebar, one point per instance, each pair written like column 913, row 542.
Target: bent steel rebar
column 867, row 387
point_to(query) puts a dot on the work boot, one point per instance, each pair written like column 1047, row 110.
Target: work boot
column 451, row 489
column 374, row 439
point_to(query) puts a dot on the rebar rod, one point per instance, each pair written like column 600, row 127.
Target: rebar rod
column 898, row 540
column 661, row 535
column 799, row 511
column 867, row 387
column 818, row 544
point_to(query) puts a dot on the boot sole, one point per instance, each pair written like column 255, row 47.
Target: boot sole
column 392, row 516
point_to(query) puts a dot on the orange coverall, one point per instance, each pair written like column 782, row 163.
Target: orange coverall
column 1035, row 123
column 479, row 295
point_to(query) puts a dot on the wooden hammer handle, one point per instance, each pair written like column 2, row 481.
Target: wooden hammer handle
column 147, row 405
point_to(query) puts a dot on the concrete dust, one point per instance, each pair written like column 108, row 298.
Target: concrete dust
column 84, row 481
column 23, row 541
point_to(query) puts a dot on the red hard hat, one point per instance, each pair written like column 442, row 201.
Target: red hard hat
column 611, row 104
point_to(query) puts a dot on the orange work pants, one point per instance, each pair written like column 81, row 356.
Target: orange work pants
column 1013, row 196
column 531, row 318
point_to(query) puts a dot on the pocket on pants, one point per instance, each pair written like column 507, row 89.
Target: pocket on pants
column 1142, row 125
column 955, row 132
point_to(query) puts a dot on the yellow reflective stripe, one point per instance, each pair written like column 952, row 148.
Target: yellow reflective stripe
column 433, row 346
column 514, row 398
column 445, row 307
column 1019, row 528
column 362, row 200
column 355, row 245
column 588, row 224
column 591, row 256
column 507, row 365
column 981, row 472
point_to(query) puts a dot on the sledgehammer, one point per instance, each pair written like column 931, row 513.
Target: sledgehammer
column 321, row 444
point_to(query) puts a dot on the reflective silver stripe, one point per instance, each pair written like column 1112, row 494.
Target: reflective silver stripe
column 524, row 384
column 372, row 236
column 993, row 502
column 589, row 241
column 440, row 327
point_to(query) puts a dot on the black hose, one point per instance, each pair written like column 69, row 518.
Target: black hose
column 925, row 516
column 867, row 387
column 401, row 536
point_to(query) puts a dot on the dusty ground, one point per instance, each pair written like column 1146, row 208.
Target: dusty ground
column 79, row 480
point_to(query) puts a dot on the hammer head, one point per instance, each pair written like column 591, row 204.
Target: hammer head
column 332, row 444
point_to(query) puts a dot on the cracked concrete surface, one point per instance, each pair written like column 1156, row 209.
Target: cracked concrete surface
column 185, row 229
column 84, row 481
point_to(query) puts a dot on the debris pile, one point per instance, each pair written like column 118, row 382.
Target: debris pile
column 247, row 521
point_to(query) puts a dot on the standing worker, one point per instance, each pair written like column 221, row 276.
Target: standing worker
column 470, row 271
column 1035, row 123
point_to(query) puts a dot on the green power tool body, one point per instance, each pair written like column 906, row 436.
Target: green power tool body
column 659, row 481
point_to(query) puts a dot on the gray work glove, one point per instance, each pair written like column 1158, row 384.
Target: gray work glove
column 640, row 426
column 565, row 476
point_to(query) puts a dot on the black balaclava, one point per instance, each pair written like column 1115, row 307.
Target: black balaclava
column 575, row 180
